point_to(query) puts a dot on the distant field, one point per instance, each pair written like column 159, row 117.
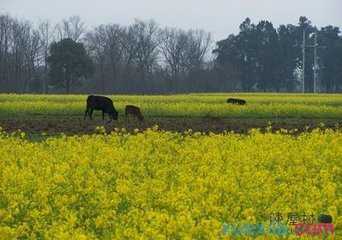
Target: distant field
column 201, row 112
column 191, row 105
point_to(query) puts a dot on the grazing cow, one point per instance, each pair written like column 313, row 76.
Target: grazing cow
column 324, row 218
column 236, row 101
column 100, row 103
column 135, row 111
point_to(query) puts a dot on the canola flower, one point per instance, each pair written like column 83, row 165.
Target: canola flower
column 164, row 185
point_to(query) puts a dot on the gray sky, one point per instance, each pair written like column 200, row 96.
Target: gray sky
column 220, row 17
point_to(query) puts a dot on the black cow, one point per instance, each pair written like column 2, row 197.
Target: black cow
column 324, row 218
column 236, row 101
column 100, row 103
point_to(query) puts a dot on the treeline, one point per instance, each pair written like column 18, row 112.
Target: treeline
column 145, row 58
column 263, row 58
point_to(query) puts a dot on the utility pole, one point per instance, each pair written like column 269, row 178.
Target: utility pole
column 316, row 46
column 315, row 67
column 303, row 53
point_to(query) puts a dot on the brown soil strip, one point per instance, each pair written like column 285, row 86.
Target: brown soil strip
column 216, row 125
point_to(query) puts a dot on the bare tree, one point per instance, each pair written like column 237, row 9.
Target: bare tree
column 72, row 28
column 96, row 44
column 136, row 58
column 5, row 40
column 20, row 44
column 173, row 48
column 198, row 47
column 46, row 33
column 31, row 58
column 114, row 34
column 183, row 52
column 129, row 47
column 147, row 40
column 106, row 45
column 198, row 44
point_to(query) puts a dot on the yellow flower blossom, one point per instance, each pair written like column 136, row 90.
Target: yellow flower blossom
column 164, row 185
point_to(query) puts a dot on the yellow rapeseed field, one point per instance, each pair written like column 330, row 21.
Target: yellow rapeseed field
column 259, row 105
column 164, row 185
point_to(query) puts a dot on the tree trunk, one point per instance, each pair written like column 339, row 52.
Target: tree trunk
column 45, row 80
column 67, row 83
column 102, row 80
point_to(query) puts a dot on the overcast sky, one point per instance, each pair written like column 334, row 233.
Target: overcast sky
column 220, row 17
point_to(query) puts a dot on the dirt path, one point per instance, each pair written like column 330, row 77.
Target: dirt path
column 78, row 126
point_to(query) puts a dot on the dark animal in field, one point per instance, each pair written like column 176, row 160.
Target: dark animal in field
column 134, row 111
column 323, row 218
column 100, row 103
column 236, row 101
